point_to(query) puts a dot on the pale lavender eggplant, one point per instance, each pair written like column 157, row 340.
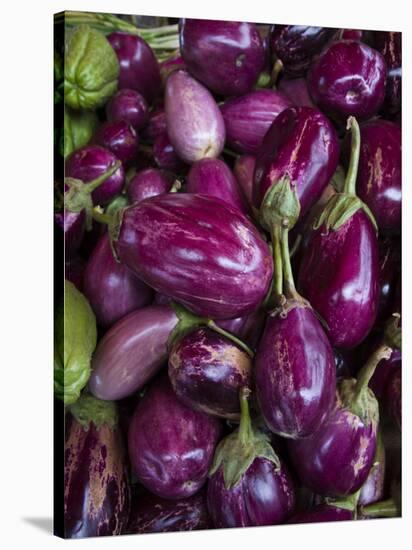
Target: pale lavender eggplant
column 296, row 89
column 393, row 397
column 226, row 56
column 120, row 138
column 128, row 105
column 244, row 170
column 194, row 122
column 112, row 290
column 131, row 352
column 248, row 118
column 207, row 372
column 348, row 78
column 156, row 125
column 389, row 44
column 148, row 183
column 295, row 373
column 170, row 445
column 165, row 155
column 214, row 178
column 90, row 162
column 203, row 253
column 139, row 69
column 322, row 513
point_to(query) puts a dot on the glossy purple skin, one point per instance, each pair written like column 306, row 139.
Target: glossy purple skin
column 171, row 446
column 207, row 372
column 296, row 89
column 73, row 225
column 296, row 46
column 348, row 78
column 303, row 144
column 128, row 105
column 226, row 56
column 197, row 250
column 139, row 69
column 90, row 162
column 214, row 178
column 194, row 122
column 112, row 290
column 393, row 397
column 339, row 275
column 148, row 183
column 263, row 496
column 248, row 118
column 156, row 125
column 96, row 488
column 131, row 352
column 383, row 373
column 322, row 513
column 295, row 373
column 153, row 514
column 244, row 170
column 389, row 44
column 379, row 174
column 165, row 155
column 169, row 65
column 335, row 461
column 389, row 267
column 249, row 328
column 373, row 488
column 120, row 138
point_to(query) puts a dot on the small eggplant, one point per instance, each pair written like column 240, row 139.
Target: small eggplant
column 194, row 122
column 171, row 446
column 389, row 44
column 128, row 105
column 120, row 138
column 322, row 513
column 244, row 171
column 296, row 89
column 226, row 56
column 148, row 183
column 165, row 155
column 248, row 484
column 155, row 126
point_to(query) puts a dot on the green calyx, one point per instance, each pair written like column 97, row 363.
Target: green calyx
column 236, row 452
column 88, row 409
column 393, row 332
column 116, row 204
column 349, row 502
column 280, row 206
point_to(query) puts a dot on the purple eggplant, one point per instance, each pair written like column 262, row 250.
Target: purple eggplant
column 389, row 44
column 139, row 69
column 73, row 226
column 248, row 484
column 373, row 488
column 120, row 138
column 348, row 79
column 244, row 170
column 169, row 65
column 131, row 352
column 207, row 372
column 156, row 125
column 148, row 183
column 393, row 397
column 90, row 162
column 96, row 485
column 74, row 271
column 322, row 513
column 336, row 460
column 153, row 514
column 203, row 253
column 112, row 290
column 226, row 56
column 128, row 105
column 194, row 122
column 296, row 46
column 214, row 178
column 296, row 89
column 389, row 266
column 384, row 372
column 249, row 328
column 171, row 446
column 339, row 268
column 248, row 117
column 165, row 155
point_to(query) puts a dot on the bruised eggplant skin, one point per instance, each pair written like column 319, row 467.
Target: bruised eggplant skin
column 96, row 496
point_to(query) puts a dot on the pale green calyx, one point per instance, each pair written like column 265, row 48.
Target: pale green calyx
column 89, row 409
column 280, row 206
column 339, row 209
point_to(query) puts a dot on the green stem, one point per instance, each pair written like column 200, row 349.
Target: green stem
column 227, row 151
column 382, row 509
column 245, row 426
column 277, row 69
column 213, row 326
column 277, row 261
column 101, row 217
column 366, row 373
column 288, row 281
column 352, row 173
column 94, row 184
column 177, row 185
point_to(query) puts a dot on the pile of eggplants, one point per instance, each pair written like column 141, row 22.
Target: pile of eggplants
column 229, row 336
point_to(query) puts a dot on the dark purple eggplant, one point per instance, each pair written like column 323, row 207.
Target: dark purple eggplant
column 194, row 122
column 112, row 290
column 389, row 44
column 296, row 89
column 248, row 117
column 322, row 513
column 383, row 373
column 169, row 65
column 207, row 372
column 96, row 485
column 139, row 69
column 170, row 445
column 128, row 105
column 352, row 34
column 155, row 126
column 120, row 138
column 348, row 79
column 203, row 253
column 148, row 183
column 339, row 268
column 74, row 271
column 389, row 266
column 248, row 484
column 226, row 56
column 373, row 488
column 153, row 514
column 214, row 178
column 296, row 46
column 393, row 397
column 165, row 155
column 243, row 170
column 72, row 224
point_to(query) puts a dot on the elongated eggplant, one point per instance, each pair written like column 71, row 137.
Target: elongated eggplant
column 170, row 445
column 227, row 56
column 128, row 105
column 96, row 484
column 244, row 171
column 248, row 117
column 194, row 122
column 120, row 138
column 148, row 183
column 322, row 513
column 203, row 253
column 389, row 44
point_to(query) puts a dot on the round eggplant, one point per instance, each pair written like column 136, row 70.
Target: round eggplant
column 128, row 105
column 120, row 138
column 156, row 125
column 165, row 155
column 148, row 183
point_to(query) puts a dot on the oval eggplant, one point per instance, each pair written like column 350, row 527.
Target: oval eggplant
column 131, row 352
column 128, row 105
column 194, row 122
column 148, row 183
column 244, row 170
column 389, row 44
column 348, row 78
column 204, row 253
column 226, row 56
column 296, row 89
column 248, row 117
column 120, row 138
column 207, row 372
column 171, row 446
column 322, row 513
